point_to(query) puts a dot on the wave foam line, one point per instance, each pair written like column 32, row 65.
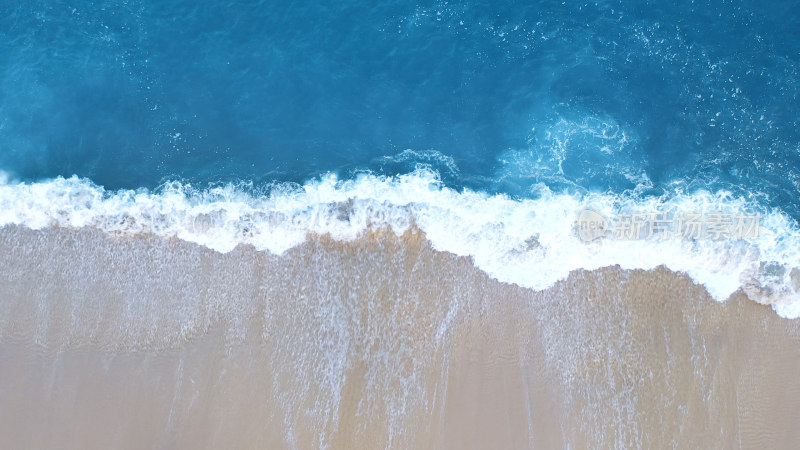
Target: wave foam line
column 530, row 242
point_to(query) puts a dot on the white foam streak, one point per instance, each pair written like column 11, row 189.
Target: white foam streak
column 528, row 242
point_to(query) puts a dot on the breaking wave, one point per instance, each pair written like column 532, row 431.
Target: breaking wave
column 530, row 242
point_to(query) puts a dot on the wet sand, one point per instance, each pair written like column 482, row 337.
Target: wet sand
column 141, row 342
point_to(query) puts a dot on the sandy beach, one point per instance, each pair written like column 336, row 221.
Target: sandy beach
column 383, row 342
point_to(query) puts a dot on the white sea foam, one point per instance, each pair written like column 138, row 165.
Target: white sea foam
column 531, row 242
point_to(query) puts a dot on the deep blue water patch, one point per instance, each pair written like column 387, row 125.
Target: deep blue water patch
column 502, row 96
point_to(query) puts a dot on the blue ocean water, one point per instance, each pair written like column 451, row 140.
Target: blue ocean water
column 588, row 94
column 692, row 102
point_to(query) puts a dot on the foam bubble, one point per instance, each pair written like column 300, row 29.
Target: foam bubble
column 530, row 242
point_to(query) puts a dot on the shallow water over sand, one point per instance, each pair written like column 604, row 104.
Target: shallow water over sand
column 136, row 342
